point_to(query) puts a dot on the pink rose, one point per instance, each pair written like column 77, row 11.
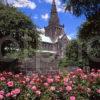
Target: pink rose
column 10, row 84
column 23, row 82
column 1, row 92
column 68, row 88
column 38, row 92
column 72, row 98
column 98, row 71
column 98, row 91
column 84, row 76
column 46, row 84
column 17, row 90
column 49, row 80
column 65, row 79
column 71, row 83
column 2, row 78
column 17, row 76
column 12, row 93
column 1, row 97
column 79, row 70
column 57, row 77
column 88, row 90
column 8, row 94
column 10, row 73
column 34, row 88
column 93, row 70
column 52, row 88
column 57, row 80
column 60, row 89
column 27, row 79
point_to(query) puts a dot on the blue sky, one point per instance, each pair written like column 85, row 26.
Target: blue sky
column 39, row 12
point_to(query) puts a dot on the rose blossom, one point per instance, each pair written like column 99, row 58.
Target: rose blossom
column 38, row 92
column 17, row 90
column 60, row 89
column 57, row 78
column 8, row 94
column 98, row 71
column 88, row 90
column 27, row 79
column 71, row 83
column 12, row 93
column 65, row 79
column 98, row 91
column 34, row 88
column 84, row 76
column 49, row 80
column 10, row 73
column 2, row 78
column 68, row 88
column 1, row 92
column 46, row 84
column 52, row 88
column 10, row 84
column 17, row 76
column 1, row 97
column 79, row 70
column 72, row 98
column 22, row 81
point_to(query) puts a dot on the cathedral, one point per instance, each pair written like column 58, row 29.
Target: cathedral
column 52, row 46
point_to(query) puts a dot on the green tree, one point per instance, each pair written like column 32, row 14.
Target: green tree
column 75, row 55
column 83, row 7
column 89, row 31
column 15, row 24
column 90, row 28
column 89, row 34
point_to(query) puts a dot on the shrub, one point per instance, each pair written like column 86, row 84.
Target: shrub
column 76, row 85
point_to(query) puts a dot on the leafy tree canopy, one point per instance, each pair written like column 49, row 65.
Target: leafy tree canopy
column 91, row 28
column 89, row 33
column 83, row 7
column 74, row 55
column 15, row 24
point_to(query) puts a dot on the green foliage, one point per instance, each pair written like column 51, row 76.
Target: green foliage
column 75, row 55
column 21, row 54
column 9, row 65
column 83, row 7
column 89, row 33
column 63, row 63
column 15, row 24
column 90, row 28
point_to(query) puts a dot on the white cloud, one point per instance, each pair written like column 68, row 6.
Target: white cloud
column 69, row 37
column 45, row 16
column 22, row 3
column 60, row 9
column 72, row 36
column 58, row 2
column 35, row 17
column 42, row 30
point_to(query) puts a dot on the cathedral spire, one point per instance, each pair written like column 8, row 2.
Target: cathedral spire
column 54, row 29
column 54, row 20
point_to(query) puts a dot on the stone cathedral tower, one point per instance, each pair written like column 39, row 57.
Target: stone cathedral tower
column 52, row 46
column 54, row 29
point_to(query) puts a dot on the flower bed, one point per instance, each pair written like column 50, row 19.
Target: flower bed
column 76, row 85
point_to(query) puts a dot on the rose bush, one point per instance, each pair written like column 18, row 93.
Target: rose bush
column 75, row 85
